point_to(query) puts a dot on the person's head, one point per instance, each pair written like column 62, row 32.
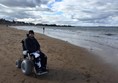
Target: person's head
column 31, row 33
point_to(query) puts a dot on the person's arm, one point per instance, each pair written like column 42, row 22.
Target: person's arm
column 23, row 46
column 26, row 44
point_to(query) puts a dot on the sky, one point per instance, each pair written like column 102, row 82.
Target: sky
column 62, row 12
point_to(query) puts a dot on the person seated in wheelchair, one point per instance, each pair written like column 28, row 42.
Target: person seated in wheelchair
column 31, row 45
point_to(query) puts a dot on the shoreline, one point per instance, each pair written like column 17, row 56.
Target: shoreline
column 67, row 63
column 102, row 48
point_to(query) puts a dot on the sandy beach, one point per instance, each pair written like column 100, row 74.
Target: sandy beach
column 67, row 63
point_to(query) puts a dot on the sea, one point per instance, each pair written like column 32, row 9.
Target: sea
column 103, row 41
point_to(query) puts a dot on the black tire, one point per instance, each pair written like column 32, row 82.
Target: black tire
column 18, row 63
column 27, row 67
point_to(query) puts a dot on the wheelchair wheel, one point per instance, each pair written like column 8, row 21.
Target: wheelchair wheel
column 18, row 63
column 27, row 66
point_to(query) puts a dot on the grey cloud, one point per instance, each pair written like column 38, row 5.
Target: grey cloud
column 23, row 3
column 17, row 3
column 11, row 13
column 98, row 11
column 20, row 15
column 96, row 18
column 97, row 15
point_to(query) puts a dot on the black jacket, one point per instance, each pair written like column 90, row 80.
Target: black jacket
column 31, row 45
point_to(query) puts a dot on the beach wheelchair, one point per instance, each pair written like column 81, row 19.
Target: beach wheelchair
column 27, row 64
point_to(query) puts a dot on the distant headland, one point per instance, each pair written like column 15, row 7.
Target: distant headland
column 19, row 23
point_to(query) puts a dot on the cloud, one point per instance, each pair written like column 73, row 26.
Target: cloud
column 19, row 12
column 75, row 12
column 23, row 3
column 88, row 11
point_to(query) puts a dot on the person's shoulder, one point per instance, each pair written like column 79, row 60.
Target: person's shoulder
column 27, row 39
column 35, row 38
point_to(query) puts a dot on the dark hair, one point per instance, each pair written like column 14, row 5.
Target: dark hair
column 31, row 32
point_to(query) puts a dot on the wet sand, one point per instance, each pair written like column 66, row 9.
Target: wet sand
column 67, row 63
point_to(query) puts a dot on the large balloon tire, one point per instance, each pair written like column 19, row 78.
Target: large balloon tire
column 27, row 67
column 18, row 63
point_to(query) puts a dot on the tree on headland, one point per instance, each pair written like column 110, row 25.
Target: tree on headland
column 3, row 21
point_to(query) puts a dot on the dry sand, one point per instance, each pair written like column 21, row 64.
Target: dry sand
column 67, row 63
